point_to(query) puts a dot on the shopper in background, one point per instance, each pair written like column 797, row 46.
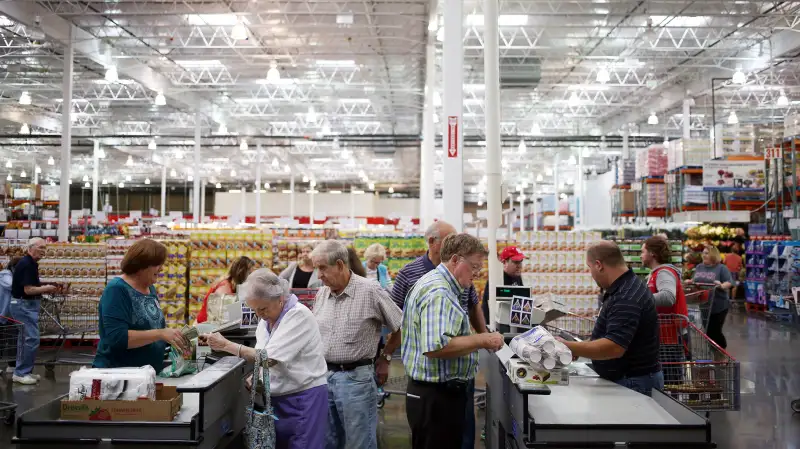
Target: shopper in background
column 711, row 271
column 412, row 272
column 374, row 256
column 356, row 266
column 664, row 280
column 237, row 274
column 132, row 327
column 26, row 294
column 439, row 350
column 301, row 274
column 624, row 344
column 735, row 263
column 351, row 311
column 512, row 258
column 297, row 369
column 5, row 301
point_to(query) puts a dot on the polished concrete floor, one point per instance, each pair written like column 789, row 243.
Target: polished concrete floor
column 769, row 353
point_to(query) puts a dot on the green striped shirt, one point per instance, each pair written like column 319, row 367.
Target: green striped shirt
column 432, row 316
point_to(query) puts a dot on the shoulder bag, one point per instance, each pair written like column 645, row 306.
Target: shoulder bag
column 260, row 427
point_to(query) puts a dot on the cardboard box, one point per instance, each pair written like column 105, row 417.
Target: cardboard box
column 522, row 373
column 626, row 201
column 166, row 406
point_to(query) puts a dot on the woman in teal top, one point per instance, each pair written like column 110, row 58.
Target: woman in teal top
column 132, row 326
column 374, row 256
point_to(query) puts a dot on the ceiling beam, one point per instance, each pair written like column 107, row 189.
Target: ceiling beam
column 784, row 44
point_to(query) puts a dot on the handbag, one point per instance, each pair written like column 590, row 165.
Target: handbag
column 259, row 431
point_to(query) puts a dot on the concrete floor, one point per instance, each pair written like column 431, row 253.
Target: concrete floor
column 770, row 363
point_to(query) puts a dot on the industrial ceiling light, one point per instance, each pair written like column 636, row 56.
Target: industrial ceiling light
column 222, row 129
column 129, row 162
column 51, row 161
column 273, row 74
column 25, row 98
column 266, row 185
column 105, row 181
column 473, row 189
column 536, row 130
column 190, row 178
column 128, row 178
column 287, row 169
column 22, row 174
column 603, row 76
column 38, row 170
column 522, row 147
column 8, row 178
column 653, row 119
column 391, row 189
column 218, row 185
column 305, row 178
column 52, row 183
column 239, row 32
column 121, row 185
column 548, row 171
column 111, row 74
column 371, row 186
column 85, row 178
column 245, row 162
column 326, row 128
column 311, row 115
column 24, row 129
column 275, row 163
column 437, row 99
column 440, row 34
column 87, row 185
column 587, row 152
column 783, row 100
column 8, row 164
column 573, row 99
column 178, row 154
column 101, row 153
column 146, row 181
column 539, row 178
column 345, row 153
column 480, row 203
column 243, row 145
column 161, row 100
column 733, row 119
column 173, row 173
column 335, row 142
column 152, row 145
column 572, row 160
column 435, row 118
column 738, row 76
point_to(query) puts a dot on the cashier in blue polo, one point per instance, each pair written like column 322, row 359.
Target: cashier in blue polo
column 624, row 344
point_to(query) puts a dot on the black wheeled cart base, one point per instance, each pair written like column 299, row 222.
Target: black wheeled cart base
column 213, row 415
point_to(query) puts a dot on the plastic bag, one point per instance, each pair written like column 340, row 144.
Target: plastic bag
column 113, row 384
column 178, row 365
column 217, row 303
column 539, row 348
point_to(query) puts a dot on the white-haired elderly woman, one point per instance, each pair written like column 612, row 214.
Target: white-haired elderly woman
column 298, row 372
column 374, row 256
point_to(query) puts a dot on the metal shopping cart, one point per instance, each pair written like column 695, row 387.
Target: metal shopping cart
column 698, row 301
column 10, row 330
column 65, row 317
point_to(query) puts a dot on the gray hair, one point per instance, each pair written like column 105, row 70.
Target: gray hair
column 36, row 241
column 435, row 230
column 264, row 284
column 331, row 251
column 375, row 250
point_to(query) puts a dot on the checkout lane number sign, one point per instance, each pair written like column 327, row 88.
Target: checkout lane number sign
column 452, row 136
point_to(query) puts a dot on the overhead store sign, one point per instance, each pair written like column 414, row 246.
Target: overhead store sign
column 452, row 136
column 733, row 176
column 773, row 153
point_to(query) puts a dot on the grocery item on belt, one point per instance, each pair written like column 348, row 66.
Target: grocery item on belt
column 114, row 384
column 541, row 350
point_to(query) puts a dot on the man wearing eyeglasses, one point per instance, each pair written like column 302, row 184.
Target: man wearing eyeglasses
column 512, row 258
column 438, row 348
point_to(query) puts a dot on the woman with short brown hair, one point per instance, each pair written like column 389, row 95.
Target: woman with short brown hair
column 132, row 326
column 237, row 274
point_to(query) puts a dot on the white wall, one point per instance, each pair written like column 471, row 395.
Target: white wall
column 598, row 200
column 331, row 205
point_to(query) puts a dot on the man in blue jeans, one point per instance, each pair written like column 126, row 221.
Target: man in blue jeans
column 624, row 344
column 26, row 291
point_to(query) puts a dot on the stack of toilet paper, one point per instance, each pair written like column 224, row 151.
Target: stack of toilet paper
column 113, row 384
column 541, row 350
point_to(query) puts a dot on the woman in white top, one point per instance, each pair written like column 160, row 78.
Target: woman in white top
column 298, row 372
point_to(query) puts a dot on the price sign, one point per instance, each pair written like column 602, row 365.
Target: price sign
column 773, row 153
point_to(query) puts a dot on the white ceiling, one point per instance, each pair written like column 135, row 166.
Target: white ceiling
column 352, row 78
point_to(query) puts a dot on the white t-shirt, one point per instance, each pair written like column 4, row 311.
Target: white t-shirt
column 297, row 347
column 372, row 274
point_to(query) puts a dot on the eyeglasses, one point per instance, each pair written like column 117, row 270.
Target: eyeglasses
column 476, row 268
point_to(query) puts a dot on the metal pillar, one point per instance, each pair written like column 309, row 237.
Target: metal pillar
column 163, row 190
column 556, row 187
column 687, row 121
column 259, row 162
column 196, row 214
column 453, row 72
column 95, row 176
column 311, row 205
column 66, row 140
column 426, row 181
column 244, row 203
column 291, row 196
column 580, row 208
column 203, row 200
column 522, row 212
column 626, row 146
column 491, row 67
column 352, row 205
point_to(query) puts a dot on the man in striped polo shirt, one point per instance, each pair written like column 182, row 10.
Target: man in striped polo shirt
column 439, row 351
column 624, row 344
column 411, row 273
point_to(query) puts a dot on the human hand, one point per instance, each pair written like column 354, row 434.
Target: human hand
column 382, row 370
column 717, row 284
column 492, row 341
column 216, row 342
column 175, row 338
column 248, row 383
column 50, row 289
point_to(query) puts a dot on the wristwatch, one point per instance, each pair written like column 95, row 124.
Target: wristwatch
column 387, row 357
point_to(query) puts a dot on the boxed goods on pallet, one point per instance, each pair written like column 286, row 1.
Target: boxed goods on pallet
column 656, row 196
column 687, row 153
column 651, row 161
column 694, row 195
column 626, row 171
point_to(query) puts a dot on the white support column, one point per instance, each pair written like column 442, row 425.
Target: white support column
column 66, row 139
column 556, row 187
column 163, row 190
column 579, row 194
column 35, row 173
column 311, row 205
column 353, row 205
column 95, row 176
column 687, row 120
column 534, row 211
column 626, row 148
column 491, row 65
column 259, row 161
column 426, row 181
column 203, row 200
column 291, row 196
column 453, row 101
column 196, row 214
column 244, row 203
column 522, row 211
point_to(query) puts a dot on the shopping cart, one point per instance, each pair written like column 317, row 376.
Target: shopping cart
column 10, row 330
column 698, row 302
column 63, row 317
column 572, row 327
column 697, row 372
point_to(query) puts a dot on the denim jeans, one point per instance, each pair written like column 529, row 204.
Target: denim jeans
column 26, row 311
column 468, row 442
column 644, row 384
column 352, row 409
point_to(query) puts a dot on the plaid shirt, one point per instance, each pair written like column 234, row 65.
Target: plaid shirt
column 433, row 315
column 350, row 323
column 412, row 272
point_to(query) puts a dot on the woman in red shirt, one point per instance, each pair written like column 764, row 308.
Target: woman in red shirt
column 237, row 274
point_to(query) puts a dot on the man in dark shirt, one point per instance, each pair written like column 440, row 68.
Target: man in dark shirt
column 624, row 344
column 26, row 291
column 512, row 258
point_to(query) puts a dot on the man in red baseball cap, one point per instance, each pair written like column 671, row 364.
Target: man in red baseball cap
column 512, row 258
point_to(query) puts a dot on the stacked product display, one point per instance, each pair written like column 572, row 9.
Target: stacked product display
column 400, row 248
column 682, row 153
column 756, row 251
column 287, row 244
column 651, row 161
column 626, row 171
column 773, row 270
column 81, row 266
column 632, row 251
column 173, row 281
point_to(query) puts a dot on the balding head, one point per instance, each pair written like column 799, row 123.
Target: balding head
column 434, row 236
column 606, row 263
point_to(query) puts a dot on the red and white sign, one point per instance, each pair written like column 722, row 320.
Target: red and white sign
column 773, row 153
column 452, row 136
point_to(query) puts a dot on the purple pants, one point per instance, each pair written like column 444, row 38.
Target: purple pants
column 302, row 419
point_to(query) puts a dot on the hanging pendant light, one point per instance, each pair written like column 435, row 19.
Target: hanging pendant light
column 539, row 178
column 87, row 185
column 85, row 178
column 128, row 178
column 121, row 185
column 190, row 178
column 653, row 119
column 111, row 74
column 51, row 161
column 24, row 129
column 603, row 76
column 222, row 129
column 178, row 154
column 8, row 163
column 23, row 174
column 152, row 145
column 738, row 76
column 233, row 173
column 239, row 32
column 161, row 100
column 783, row 100
column 536, row 130
column 243, row 145
column 219, row 186
column 25, row 98
column 733, row 119
column 173, row 173
column 574, row 100
column 273, row 74
column 37, row 170
column 129, row 162
column 8, row 178
column 147, row 181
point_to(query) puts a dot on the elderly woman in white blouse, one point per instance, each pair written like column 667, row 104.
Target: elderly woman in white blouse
column 298, row 372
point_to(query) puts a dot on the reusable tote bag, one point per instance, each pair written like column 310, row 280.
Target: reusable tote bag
column 260, row 429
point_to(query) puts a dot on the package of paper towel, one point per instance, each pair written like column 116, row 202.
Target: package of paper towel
column 539, row 348
column 113, row 384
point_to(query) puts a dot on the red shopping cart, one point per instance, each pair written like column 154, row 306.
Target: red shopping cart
column 698, row 297
column 10, row 330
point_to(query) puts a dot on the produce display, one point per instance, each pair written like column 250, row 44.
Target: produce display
column 698, row 237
